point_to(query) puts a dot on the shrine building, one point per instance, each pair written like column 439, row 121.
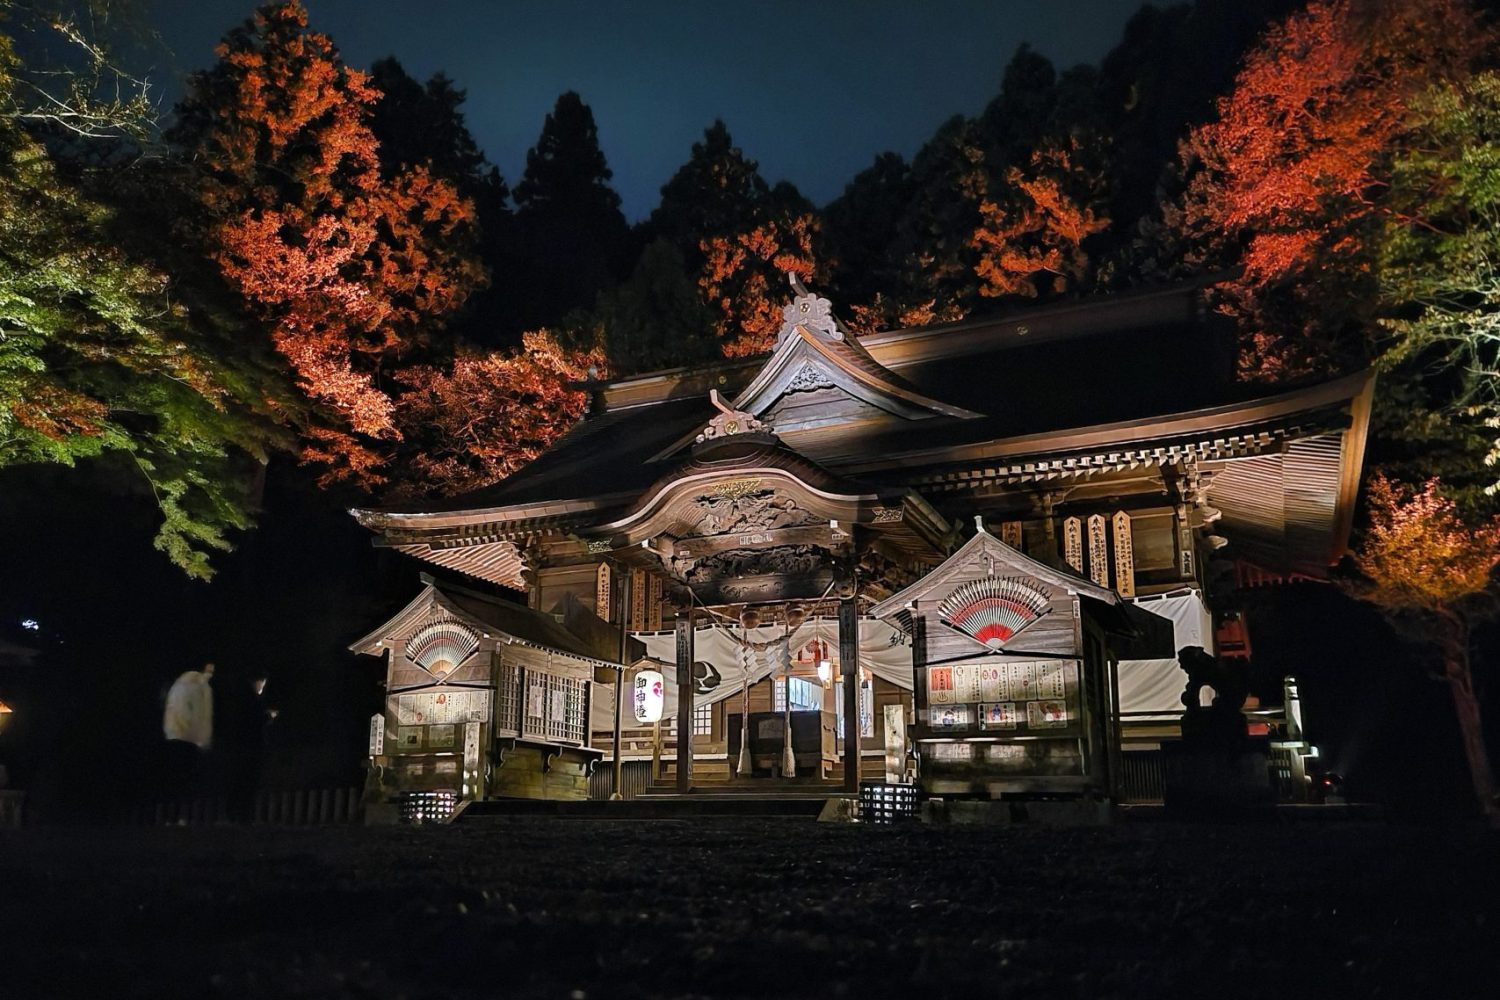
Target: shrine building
column 961, row 555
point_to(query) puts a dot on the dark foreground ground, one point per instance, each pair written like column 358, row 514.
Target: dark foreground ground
column 560, row 908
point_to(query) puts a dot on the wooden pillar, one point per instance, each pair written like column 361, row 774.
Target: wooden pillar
column 656, row 751
column 685, row 701
column 849, row 667
column 919, row 677
column 619, row 764
column 1048, row 502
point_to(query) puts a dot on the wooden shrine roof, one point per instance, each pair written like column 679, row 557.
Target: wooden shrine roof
column 489, row 615
column 985, row 549
column 1133, row 627
column 1047, row 394
column 1157, row 361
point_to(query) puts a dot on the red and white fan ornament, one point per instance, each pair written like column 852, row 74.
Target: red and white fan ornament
column 992, row 609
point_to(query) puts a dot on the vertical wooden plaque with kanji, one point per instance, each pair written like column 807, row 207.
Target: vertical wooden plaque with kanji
column 653, row 604
column 637, row 600
column 1124, row 555
column 1073, row 544
column 603, row 598
column 1098, row 550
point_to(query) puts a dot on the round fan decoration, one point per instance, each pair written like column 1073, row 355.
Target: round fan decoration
column 441, row 646
column 993, row 609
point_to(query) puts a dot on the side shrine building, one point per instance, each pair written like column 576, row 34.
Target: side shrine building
column 963, row 555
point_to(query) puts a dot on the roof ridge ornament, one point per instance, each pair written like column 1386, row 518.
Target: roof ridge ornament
column 807, row 310
column 728, row 422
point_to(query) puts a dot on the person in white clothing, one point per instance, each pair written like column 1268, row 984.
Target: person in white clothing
column 189, row 717
column 188, row 725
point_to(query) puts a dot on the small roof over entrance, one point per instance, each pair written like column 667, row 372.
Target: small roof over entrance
column 489, row 617
column 984, row 591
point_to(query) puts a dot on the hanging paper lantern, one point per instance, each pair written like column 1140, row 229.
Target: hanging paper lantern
column 650, row 695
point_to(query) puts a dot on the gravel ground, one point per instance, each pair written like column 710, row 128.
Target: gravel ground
column 745, row 908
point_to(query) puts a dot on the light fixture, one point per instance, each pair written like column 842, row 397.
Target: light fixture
column 825, row 671
column 649, row 695
column 1216, row 542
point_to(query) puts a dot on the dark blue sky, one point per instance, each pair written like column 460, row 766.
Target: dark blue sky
column 813, row 90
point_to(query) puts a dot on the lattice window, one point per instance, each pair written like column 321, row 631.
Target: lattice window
column 806, row 695
column 508, row 698
column 555, row 708
column 703, row 720
column 534, row 710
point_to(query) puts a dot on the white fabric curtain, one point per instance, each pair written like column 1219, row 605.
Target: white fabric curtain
column 1145, row 685
column 883, row 650
column 1155, row 686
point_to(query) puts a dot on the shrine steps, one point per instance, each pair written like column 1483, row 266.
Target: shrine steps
column 810, row 785
column 796, row 805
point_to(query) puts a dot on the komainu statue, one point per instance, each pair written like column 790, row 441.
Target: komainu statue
column 1221, row 724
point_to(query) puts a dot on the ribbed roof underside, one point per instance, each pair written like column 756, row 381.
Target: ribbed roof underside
column 494, row 562
column 1282, row 508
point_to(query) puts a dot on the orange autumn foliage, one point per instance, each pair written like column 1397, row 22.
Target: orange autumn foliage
column 349, row 269
column 1038, row 232
column 744, row 280
column 487, row 415
column 1430, row 573
column 1419, row 554
column 1283, row 183
column 881, row 313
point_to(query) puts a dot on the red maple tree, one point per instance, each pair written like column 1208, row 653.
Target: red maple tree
column 1285, row 181
column 1031, row 242
column 478, row 421
column 349, row 269
column 744, row 280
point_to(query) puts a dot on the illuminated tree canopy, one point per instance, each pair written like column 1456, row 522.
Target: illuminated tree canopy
column 101, row 357
column 1287, row 184
column 1430, row 572
column 351, row 270
column 1439, row 271
column 1336, row 160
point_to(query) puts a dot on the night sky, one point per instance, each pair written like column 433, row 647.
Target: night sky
column 813, row 91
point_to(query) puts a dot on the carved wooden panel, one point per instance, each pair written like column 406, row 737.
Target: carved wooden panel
column 756, row 588
column 760, row 511
column 698, row 548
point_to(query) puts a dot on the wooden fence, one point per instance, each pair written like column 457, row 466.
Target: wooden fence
column 635, row 778
column 1143, row 776
column 287, row 807
column 10, row 808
